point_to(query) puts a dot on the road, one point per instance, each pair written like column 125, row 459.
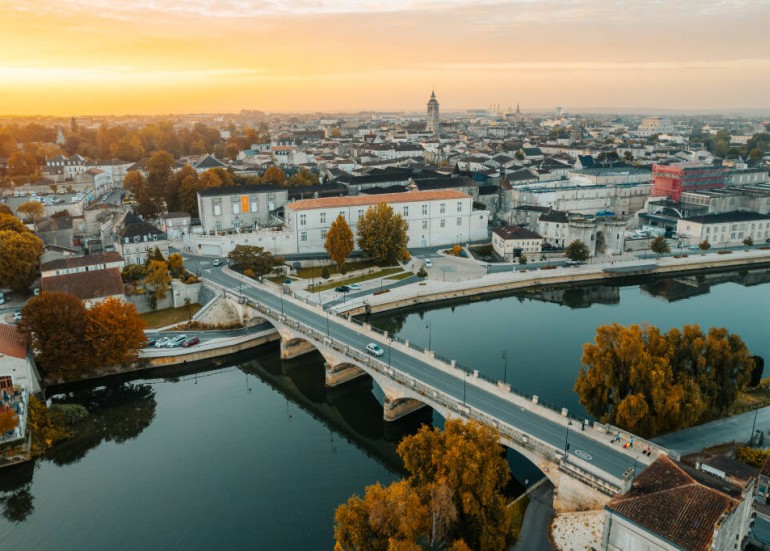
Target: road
column 558, row 434
column 537, row 519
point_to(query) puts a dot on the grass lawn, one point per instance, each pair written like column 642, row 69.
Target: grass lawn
column 356, row 279
column 169, row 316
column 315, row 272
column 751, row 399
column 402, row 275
column 517, row 514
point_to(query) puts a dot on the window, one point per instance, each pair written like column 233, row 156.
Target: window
column 442, row 208
column 217, row 210
column 236, row 208
column 459, row 207
column 459, row 221
column 324, row 233
column 406, row 211
column 303, row 219
column 443, row 223
column 323, row 218
column 254, row 204
column 425, row 210
column 303, row 236
column 425, row 224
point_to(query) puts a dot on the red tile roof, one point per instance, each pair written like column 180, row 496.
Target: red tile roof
column 81, row 261
column 361, row 200
column 86, row 285
column 12, row 342
column 667, row 501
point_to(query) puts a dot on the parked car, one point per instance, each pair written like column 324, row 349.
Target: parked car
column 693, row 247
column 342, row 289
column 428, row 263
column 2, row 298
column 162, row 342
column 190, row 342
column 150, row 343
column 573, row 262
column 354, row 286
column 17, row 315
column 176, row 341
column 374, row 349
column 216, row 262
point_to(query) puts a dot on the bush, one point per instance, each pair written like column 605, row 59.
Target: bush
column 752, row 456
column 344, row 269
column 69, row 414
column 422, row 274
column 725, row 252
column 325, row 272
column 456, row 250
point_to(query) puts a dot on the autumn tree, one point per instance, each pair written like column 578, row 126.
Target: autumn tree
column 31, row 210
column 453, row 494
column 274, row 175
column 382, row 234
column 8, row 222
column 19, row 258
column 304, row 177
column 22, row 164
column 577, row 251
column 5, row 209
column 187, row 191
column 57, row 324
column 115, row 332
column 256, row 259
column 8, row 419
column 157, row 279
column 210, row 179
column 176, row 264
column 134, row 182
column 649, row 382
column 659, row 245
column 704, row 245
column 339, row 241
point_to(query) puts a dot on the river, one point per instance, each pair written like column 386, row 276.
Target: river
column 254, row 453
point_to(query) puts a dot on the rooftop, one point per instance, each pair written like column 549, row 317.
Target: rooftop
column 12, row 342
column 86, row 285
column 361, row 200
column 515, row 232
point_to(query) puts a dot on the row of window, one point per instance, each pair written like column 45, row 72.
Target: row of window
column 360, row 213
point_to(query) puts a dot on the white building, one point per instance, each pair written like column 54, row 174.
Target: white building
column 727, row 229
column 435, row 218
column 512, row 241
column 651, row 126
column 136, row 239
column 232, row 208
column 604, row 235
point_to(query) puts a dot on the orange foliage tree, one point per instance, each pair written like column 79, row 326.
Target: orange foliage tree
column 115, row 332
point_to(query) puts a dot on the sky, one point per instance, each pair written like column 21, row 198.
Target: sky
column 101, row 57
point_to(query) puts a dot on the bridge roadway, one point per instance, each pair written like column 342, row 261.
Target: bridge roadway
column 587, row 448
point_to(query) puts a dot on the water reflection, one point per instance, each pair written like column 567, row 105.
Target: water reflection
column 16, row 500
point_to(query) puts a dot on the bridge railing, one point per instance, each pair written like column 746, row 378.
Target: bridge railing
column 455, row 406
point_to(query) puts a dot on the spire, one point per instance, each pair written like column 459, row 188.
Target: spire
column 433, row 94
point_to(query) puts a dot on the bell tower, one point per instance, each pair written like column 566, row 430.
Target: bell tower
column 433, row 124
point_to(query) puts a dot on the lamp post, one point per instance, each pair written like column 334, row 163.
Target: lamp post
column 429, row 327
column 465, row 378
column 566, row 444
column 281, row 299
column 327, row 324
column 505, row 365
column 753, row 426
column 390, row 342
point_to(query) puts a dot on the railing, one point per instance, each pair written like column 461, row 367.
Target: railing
column 434, row 395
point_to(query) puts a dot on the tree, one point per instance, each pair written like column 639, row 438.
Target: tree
column 19, row 258
column 31, row 210
column 232, row 151
column 303, row 178
column 274, row 175
column 57, row 324
column 134, row 182
column 339, row 241
column 523, row 259
column 5, row 209
column 8, row 419
column 8, row 222
column 256, row 259
column 748, row 242
column 157, row 279
column 382, row 235
column 454, row 490
column 210, row 179
column 660, row 246
column 577, row 251
column 705, row 245
column 115, row 332
column 648, row 382
column 422, row 273
column 133, row 273
column 176, row 264
column 22, row 164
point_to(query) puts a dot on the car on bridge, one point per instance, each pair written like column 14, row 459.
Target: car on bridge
column 374, row 349
column 162, row 342
column 216, row 262
column 354, row 286
column 192, row 341
column 176, row 341
column 342, row 289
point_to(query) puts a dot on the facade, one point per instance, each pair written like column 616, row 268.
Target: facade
column 176, row 225
column 605, row 235
column 435, row 218
column 672, row 180
column 652, row 126
column 433, row 125
column 91, row 287
column 78, row 264
column 233, row 208
column 727, row 229
column 667, row 508
column 136, row 239
column 512, row 241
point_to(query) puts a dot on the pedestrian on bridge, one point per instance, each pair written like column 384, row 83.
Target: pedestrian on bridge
column 617, row 438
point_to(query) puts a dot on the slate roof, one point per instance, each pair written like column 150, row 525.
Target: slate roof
column 86, row 285
column 58, row 223
column 554, row 216
column 727, row 217
column 12, row 342
column 81, row 261
column 667, row 501
column 209, row 161
column 133, row 226
column 515, row 232
column 239, row 190
column 363, row 200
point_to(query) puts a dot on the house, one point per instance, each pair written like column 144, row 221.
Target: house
column 135, row 239
column 175, row 225
column 670, row 507
column 513, row 242
column 77, row 264
column 207, row 163
column 91, row 287
column 232, row 208
column 56, row 231
column 726, row 229
column 16, row 364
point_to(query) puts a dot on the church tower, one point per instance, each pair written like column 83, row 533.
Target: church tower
column 433, row 121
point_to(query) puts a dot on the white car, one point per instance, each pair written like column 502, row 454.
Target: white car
column 355, row 286
column 216, row 262
column 428, row 263
column 161, row 342
column 374, row 349
column 176, row 341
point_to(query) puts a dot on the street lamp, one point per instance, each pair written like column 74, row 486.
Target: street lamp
column 281, row 299
column 505, row 366
column 753, row 426
column 465, row 378
column 327, row 324
column 390, row 341
column 429, row 327
column 566, row 444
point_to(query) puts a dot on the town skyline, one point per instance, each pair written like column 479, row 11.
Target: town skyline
column 137, row 57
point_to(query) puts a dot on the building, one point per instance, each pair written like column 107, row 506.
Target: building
column 78, row 264
column 652, row 126
column 672, row 180
column 726, row 229
column 91, row 286
column 512, row 242
column 601, row 234
column 433, row 124
column 176, row 225
column 435, row 218
column 16, row 364
column 670, row 507
column 56, row 231
column 234, row 208
column 136, row 239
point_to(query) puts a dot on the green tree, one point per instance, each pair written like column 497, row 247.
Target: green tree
column 133, row 273
column 57, row 324
column 382, row 235
column 748, row 241
column 31, row 210
column 660, row 246
column 19, row 259
column 577, row 251
column 339, row 241
column 256, row 259
column 523, row 259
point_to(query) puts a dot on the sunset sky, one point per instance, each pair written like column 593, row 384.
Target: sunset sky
column 79, row 57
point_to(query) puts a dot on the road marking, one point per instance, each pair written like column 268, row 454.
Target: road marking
column 583, row 455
